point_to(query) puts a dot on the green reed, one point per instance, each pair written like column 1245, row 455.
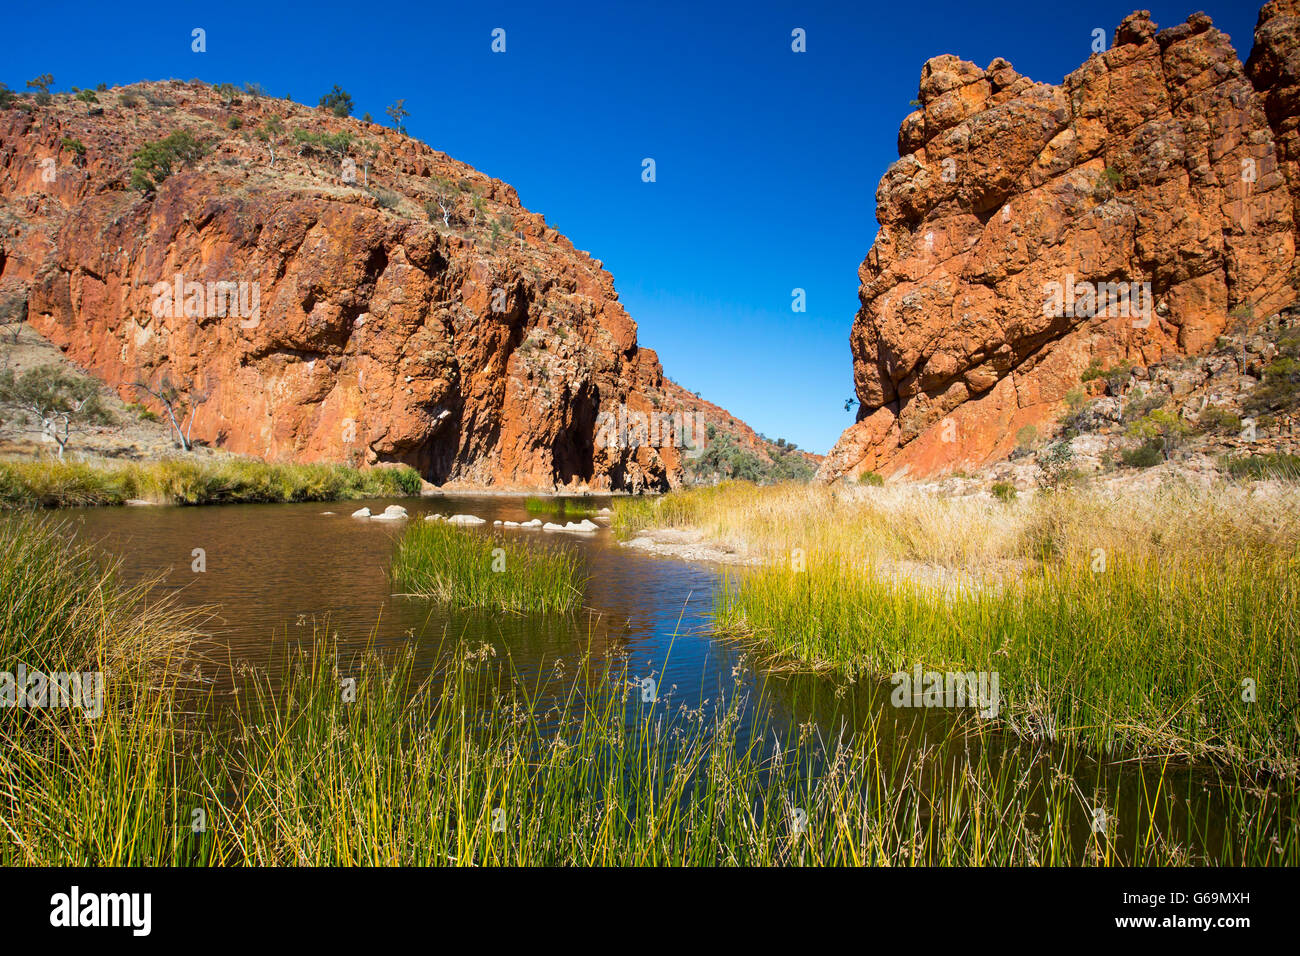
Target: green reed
column 1162, row 656
column 558, row 506
column 194, row 482
column 467, row 569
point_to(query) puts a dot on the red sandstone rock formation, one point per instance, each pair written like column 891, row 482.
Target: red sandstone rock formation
column 1274, row 69
column 477, row 344
column 1156, row 162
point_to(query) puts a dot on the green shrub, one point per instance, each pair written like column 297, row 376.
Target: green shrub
column 1140, row 404
column 871, row 478
column 143, row 412
column 408, row 481
column 156, row 161
column 1280, row 388
column 385, row 198
column 336, row 143
column 1004, row 491
column 1215, row 420
column 1149, row 453
column 1163, row 429
column 1056, row 466
column 337, row 101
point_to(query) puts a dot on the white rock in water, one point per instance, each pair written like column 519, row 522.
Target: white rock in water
column 391, row 513
column 361, row 513
column 435, row 517
column 466, row 519
column 535, row 523
column 497, row 522
column 327, row 512
column 552, row 526
column 584, row 526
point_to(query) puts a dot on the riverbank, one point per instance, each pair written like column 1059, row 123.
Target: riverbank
column 367, row 759
column 1163, row 622
column 190, row 481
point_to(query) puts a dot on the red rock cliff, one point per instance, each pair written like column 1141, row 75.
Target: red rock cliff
column 1018, row 208
column 477, row 345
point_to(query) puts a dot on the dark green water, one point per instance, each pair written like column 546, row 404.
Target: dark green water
column 273, row 572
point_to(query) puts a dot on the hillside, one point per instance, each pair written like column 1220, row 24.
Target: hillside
column 318, row 287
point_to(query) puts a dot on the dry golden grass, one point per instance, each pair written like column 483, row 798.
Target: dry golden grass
column 897, row 524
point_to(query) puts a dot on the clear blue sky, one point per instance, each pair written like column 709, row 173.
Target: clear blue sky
column 767, row 160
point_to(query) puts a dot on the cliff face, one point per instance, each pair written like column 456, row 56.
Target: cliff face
column 1028, row 229
column 309, row 291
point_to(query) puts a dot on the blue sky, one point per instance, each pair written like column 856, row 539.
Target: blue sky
column 767, row 160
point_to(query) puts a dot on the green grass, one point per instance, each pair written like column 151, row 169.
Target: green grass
column 1144, row 655
column 467, row 569
column 53, row 484
column 1269, row 465
column 577, row 770
column 560, row 506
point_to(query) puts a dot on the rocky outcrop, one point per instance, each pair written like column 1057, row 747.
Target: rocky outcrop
column 1274, row 69
column 1132, row 212
column 321, row 289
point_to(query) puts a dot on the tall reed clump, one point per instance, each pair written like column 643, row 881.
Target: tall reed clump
column 85, row 784
column 195, row 482
column 561, row 506
column 476, row 767
column 470, row 570
column 1191, row 660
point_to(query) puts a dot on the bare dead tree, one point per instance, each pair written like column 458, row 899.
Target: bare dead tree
column 174, row 400
column 57, row 399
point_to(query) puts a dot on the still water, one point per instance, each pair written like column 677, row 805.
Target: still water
column 274, row 573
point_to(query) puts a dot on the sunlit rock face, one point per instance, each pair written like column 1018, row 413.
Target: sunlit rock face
column 1028, row 229
column 324, row 305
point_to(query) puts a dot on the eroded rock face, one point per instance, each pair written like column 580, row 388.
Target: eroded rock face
column 1153, row 165
column 481, row 349
column 1274, row 69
